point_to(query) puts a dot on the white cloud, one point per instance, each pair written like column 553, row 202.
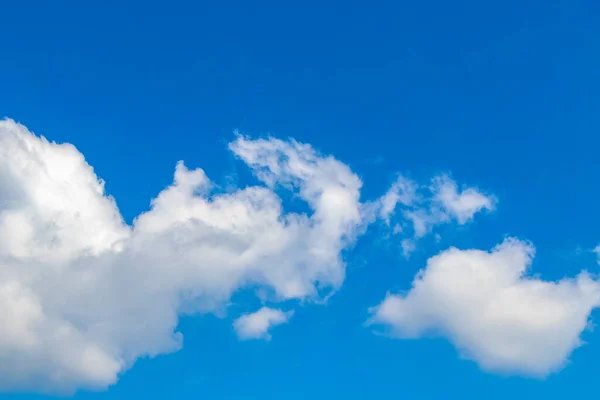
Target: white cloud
column 422, row 207
column 493, row 311
column 83, row 295
column 402, row 191
column 460, row 205
column 257, row 325
column 408, row 246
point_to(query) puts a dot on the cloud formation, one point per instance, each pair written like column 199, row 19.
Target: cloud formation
column 257, row 324
column 83, row 294
column 493, row 311
column 416, row 209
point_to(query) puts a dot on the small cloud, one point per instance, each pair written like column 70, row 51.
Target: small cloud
column 257, row 325
column 403, row 191
column 426, row 206
column 461, row 205
column 408, row 246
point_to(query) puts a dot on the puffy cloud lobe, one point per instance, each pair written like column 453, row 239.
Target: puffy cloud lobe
column 83, row 295
column 493, row 312
column 257, row 325
column 52, row 205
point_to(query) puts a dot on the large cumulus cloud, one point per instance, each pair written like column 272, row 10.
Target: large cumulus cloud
column 83, row 294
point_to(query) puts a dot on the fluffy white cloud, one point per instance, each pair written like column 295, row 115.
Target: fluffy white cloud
column 424, row 206
column 257, row 325
column 83, row 294
column 461, row 205
column 493, row 311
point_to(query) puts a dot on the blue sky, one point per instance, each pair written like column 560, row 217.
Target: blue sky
column 500, row 99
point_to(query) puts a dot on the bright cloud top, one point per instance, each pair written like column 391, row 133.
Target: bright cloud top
column 493, row 312
column 257, row 325
column 83, row 295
